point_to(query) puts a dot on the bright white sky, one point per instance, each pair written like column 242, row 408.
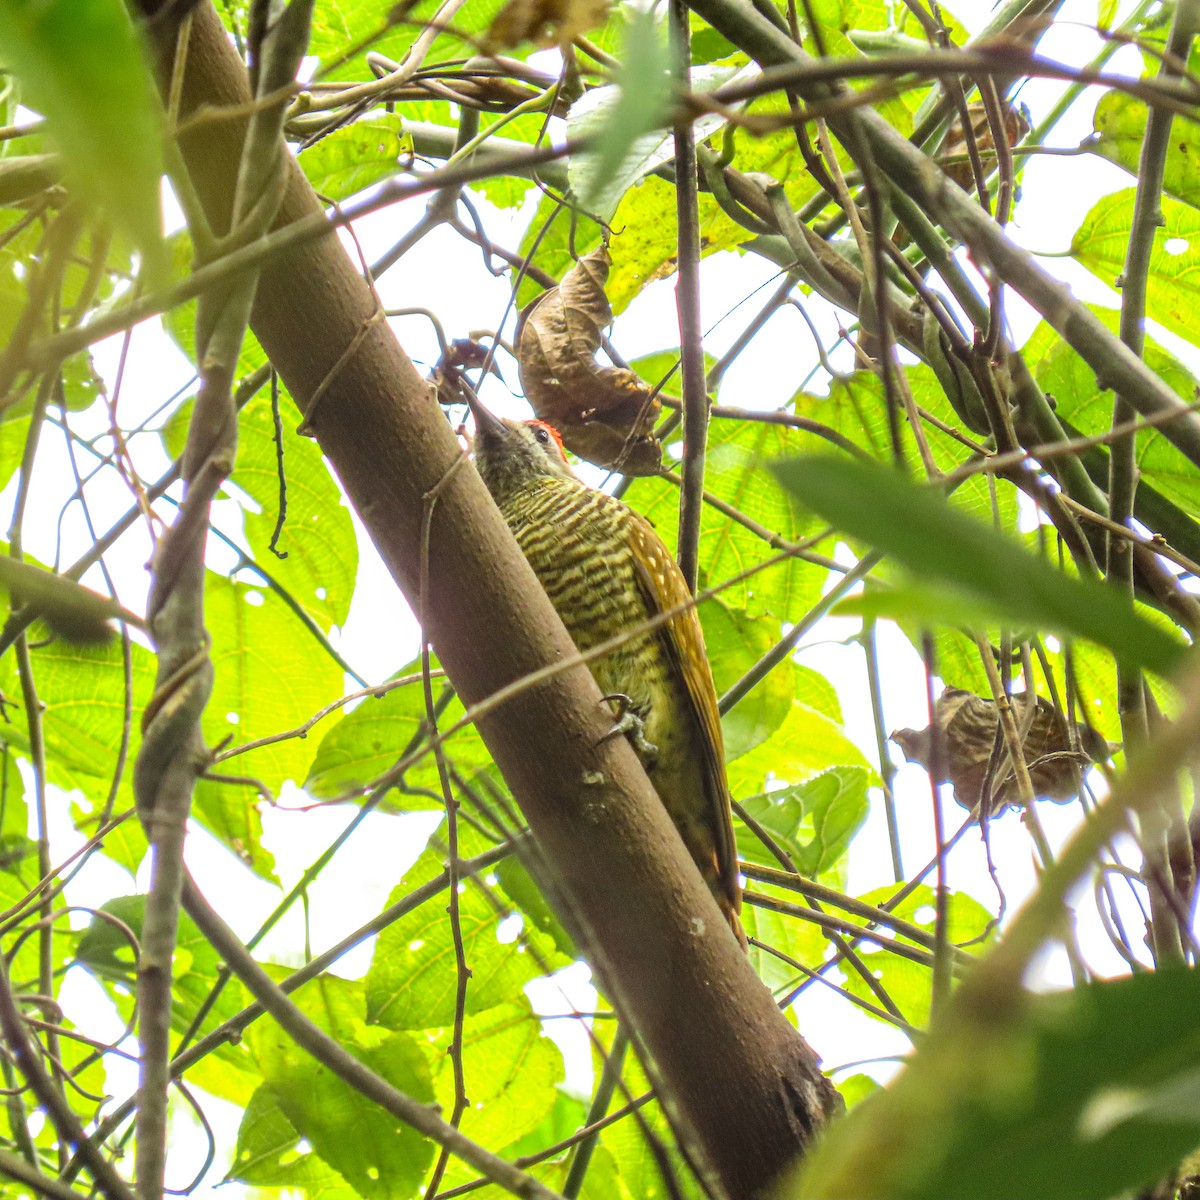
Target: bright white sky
column 380, row 635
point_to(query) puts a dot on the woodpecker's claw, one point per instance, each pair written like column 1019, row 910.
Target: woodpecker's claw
column 633, row 727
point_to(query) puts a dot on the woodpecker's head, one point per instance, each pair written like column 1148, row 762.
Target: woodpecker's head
column 510, row 454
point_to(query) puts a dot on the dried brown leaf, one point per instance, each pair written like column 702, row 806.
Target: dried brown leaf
column 954, row 149
column 968, row 725
column 604, row 414
column 447, row 375
column 544, row 22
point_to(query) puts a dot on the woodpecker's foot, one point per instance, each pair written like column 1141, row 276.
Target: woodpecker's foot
column 634, row 728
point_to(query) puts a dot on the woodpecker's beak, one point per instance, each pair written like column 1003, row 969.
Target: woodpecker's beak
column 487, row 424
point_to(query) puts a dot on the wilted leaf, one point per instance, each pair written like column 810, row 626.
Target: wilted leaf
column 1016, row 126
column 462, row 354
column 605, row 414
column 968, row 726
column 544, row 22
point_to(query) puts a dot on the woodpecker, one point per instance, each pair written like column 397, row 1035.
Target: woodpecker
column 607, row 572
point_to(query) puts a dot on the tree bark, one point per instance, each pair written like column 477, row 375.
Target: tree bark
column 744, row 1084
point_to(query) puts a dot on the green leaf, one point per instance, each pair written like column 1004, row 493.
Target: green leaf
column 813, row 821
column 1172, row 287
column 180, row 321
column 367, row 742
column 854, row 1089
column 910, row 984
column 567, row 1114
column 645, row 81
column 524, row 893
column 1120, row 126
column 268, row 1154
column 641, row 1148
column 83, row 691
column 856, row 410
column 357, row 156
column 107, row 953
column 270, row 676
column 738, row 452
column 735, row 641
column 598, row 109
column 81, row 66
column 552, row 240
column 918, row 528
column 799, row 940
column 645, row 242
column 382, row 1158
column 126, row 845
column 14, row 811
column 816, row 692
column 317, row 537
column 807, row 743
column 1076, row 1094
column 511, row 1070
column 412, row 980
column 1087, row 407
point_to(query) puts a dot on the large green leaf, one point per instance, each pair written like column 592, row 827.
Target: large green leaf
column 1172, row 291
column 910, row 984
column 511, row 1070
column 604, row 112
column 1120, row 125
column 520, row 888
column 1087, row 407
column 739, row 450
column 20, row 875
column 270, row 677
column 1082, row 1095
column 317, row 537
column 918, row 528
column 855, row 409
column 269, row 1155
column 813, row 821
column 81, row 66
column 412, row 981
column 357, row 156
column 735, row 642
column 639, row 106
column 364, row 744
column 807, row 743
column 379, row 1156
column 84, row 719
column 14, row 811
column 106, row 952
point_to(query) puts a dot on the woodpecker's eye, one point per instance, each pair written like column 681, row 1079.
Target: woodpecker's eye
column 542, row 435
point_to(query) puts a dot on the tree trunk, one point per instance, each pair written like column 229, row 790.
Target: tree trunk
column 744, row 1084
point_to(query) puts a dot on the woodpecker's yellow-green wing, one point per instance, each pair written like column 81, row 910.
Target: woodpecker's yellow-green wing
column 663, row 587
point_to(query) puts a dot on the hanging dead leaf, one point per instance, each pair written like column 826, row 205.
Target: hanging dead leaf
column 460, row 355
column 968, row 726
column 954, row 154
column 604, row 414
column 544, row 22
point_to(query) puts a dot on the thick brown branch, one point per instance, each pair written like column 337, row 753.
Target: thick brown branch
column 743, row 1083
